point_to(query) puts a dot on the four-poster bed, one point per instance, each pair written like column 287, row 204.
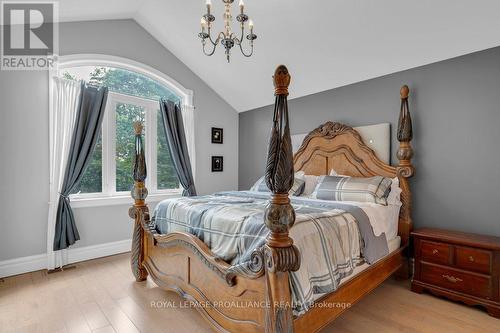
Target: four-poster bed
column 181, row 262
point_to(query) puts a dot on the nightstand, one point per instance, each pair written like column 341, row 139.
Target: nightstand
column 459, row 266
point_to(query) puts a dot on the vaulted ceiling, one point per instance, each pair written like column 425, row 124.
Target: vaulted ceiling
column 325, row 44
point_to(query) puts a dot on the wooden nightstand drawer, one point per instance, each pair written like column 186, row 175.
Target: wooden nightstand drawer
column 435, row 252
column 473, row 259
column 461, row 266
column 452, row 279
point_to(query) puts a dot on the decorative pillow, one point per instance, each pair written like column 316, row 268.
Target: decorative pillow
column 338, row 188
column 394, row 197
column 311, row 182
column 296, row 190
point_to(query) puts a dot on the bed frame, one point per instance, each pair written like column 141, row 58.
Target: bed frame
column 256, row 297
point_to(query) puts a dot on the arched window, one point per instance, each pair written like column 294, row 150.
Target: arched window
column 134, row 91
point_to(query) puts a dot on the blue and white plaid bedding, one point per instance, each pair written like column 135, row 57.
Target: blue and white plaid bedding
column 332, row 237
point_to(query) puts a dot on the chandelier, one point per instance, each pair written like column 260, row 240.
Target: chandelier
column 227, row 38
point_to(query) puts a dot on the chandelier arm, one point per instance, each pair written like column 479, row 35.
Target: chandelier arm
column 214, row 44
column 243, row 52
column 237, row 40
column 219, row 37
column 211, row 40
column 214, row 47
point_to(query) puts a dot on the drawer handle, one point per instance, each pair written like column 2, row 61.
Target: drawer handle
column 471, row 258
column 452, row 279
column 435, row 251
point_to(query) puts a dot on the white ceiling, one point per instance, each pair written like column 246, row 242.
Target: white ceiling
column 90, row 10
column 325, row 44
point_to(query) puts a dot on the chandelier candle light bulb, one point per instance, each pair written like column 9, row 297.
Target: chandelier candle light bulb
column 203, row 24
column 226, row 38
column 209, row 6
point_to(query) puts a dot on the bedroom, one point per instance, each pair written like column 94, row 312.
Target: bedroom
column 348, row 62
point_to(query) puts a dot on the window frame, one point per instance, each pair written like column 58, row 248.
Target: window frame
column 109, row 195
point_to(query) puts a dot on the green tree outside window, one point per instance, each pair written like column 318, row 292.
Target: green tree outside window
column 134, row 84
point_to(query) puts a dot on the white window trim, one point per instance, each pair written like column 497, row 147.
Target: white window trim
column 123, row 199
column 109, row 197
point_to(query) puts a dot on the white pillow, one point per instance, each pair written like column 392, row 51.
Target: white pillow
column 300, row 175
column 394, row 197
column 311, row 182
column 394, row 205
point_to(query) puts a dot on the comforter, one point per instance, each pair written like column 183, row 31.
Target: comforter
column 332, row 237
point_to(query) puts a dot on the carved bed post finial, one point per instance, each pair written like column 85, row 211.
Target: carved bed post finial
column 405, row 132
column 281, row 256
column 405, row 169
column 139, row 211
column 281, row 80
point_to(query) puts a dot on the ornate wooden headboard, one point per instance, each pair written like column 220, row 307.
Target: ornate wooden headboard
column 340, row 147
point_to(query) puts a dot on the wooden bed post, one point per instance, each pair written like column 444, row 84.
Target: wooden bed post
column 405, row 170
column 281, row 256
column 139, row 211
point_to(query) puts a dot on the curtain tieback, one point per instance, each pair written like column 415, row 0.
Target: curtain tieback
column 65, row 197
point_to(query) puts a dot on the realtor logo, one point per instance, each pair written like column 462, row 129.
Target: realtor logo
column 29, row 35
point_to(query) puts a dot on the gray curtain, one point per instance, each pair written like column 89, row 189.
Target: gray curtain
column 176, row 140
column 90, row 113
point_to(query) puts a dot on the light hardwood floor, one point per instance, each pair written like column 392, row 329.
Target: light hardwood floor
column 101, row 296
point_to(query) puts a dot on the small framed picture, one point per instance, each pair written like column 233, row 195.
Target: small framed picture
column 217, row 163
column 217, row 135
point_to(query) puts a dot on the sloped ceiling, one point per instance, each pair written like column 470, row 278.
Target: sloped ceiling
column 325, row 44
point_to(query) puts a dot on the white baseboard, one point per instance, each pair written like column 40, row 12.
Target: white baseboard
column 97, row 251
column 37, row 262
column 23, row 265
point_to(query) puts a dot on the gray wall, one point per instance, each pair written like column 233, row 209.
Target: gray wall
column 24, row 136
column 455, row 107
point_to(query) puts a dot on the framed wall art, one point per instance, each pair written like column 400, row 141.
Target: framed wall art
column 217, row 135
column 217, row 163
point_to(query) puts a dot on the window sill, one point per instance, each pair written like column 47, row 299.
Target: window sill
column 80, row 202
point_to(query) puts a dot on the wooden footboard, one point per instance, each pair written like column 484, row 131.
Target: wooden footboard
column 256, row 296
column 182, row 263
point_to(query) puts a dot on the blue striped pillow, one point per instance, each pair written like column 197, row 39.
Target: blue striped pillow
column 342, row 188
